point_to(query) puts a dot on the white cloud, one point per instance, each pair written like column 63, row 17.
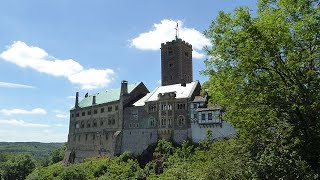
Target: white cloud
column 165, row 31
column 14, row 122
column 38, row 59
column 14, row 85
column 10, row 112
column 62, row 116
column 71, row 97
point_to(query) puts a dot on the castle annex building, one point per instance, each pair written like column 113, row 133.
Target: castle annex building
column 131, row 118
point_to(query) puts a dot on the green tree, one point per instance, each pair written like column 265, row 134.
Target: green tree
column 58, row 154
column 18, row 167
column 264, row 70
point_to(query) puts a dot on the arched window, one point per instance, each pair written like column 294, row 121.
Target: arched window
column 181, row 120
column 152, row 122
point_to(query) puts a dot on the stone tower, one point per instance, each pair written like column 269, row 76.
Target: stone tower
column 176, row 62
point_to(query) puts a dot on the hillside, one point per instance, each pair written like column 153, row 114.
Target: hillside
column 37, row 150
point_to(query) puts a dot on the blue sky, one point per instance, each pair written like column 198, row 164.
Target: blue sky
column 49, row 50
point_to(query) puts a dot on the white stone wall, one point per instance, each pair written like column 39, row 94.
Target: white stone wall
column 223, row 130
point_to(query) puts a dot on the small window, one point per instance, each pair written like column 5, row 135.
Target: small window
column 181, row 106
column 181, row 121
column 163, row 122
column 152, row 108
column 170, row 51
column 116, row 107
column 101, row 123
column 88, row 124
column 203, row 116
column 77, row 125
column 72, row 115
column 195, row 105
column 86, row 137
column 102, row 110
column 195, row 116
column 186, row 54
column 89, row 112
column 137, row 125
column 209, row 116
column 94, row 124
column 95, row 111
column 82, row 124
column 77, row 115
column 169, row 122
column 83, row 113
column 130, row 125
column 109, row 108
column 106, row 136
column 93, row 136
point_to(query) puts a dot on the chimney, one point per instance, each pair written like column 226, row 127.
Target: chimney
column 77, row 100
column 124, row 87
column 93, row 100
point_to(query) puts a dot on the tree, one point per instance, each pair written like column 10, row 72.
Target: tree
column 58, row 154
column 265, row 71
column 18, row 167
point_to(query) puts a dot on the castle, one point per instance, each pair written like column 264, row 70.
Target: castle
column 131, row 118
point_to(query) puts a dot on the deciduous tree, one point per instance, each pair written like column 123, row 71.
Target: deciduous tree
column 264, row 69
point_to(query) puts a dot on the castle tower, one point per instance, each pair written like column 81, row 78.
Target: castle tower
column 176, row 62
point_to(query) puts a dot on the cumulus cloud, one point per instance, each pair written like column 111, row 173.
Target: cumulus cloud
column 165, row 31
column 10, row 112
column 62, row 116
column 14, row 85
column 14, row 122
column 38, row 59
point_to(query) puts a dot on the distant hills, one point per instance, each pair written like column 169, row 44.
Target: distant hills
column 36, row 149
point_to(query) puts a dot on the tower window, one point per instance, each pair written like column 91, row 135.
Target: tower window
column 109, row 108
column 186, row 54
column 181, row 120
column 170, row 51
column 170, row 65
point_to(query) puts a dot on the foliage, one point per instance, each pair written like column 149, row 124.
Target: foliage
column 58, row 154
column 223, row 159
column 17, row 167
column 264, row 70
column 37, row 150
